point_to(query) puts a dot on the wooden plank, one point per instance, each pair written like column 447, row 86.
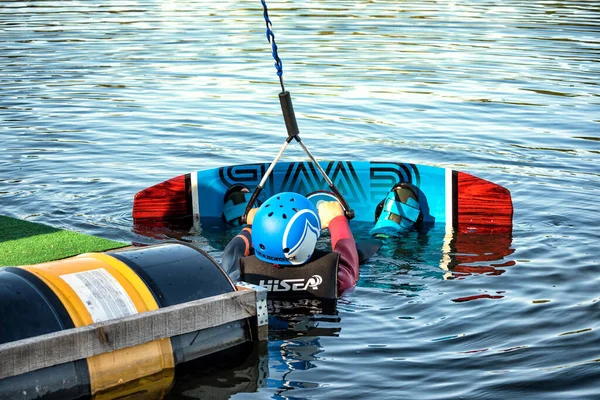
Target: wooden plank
column 73, row 344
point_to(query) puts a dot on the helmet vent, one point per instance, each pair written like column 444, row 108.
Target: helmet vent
column 284, row 216
column 292, row 199
column 262, row 246
column 286, row 250
column 295, row 209
column 271, row 214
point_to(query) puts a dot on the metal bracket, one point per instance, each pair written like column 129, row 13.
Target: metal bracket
column 262, row 314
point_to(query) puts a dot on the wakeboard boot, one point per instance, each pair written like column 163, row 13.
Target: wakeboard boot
column 235, row 201
column 398, row 212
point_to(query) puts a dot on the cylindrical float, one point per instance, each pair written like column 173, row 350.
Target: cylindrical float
column 94, row 287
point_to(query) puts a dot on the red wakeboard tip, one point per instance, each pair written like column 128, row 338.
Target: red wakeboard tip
column 482, row 206
column 163, row 202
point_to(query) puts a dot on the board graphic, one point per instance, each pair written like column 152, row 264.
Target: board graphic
column 455, row 200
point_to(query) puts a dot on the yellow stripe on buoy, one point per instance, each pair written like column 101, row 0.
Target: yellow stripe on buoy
column 95, row 287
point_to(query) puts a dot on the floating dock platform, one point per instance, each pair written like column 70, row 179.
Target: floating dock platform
column 109, row 324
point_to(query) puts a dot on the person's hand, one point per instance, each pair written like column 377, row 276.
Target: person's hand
column 250, row 216
column 328, row 210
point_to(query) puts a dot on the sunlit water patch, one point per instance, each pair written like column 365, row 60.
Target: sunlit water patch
column 101, row 100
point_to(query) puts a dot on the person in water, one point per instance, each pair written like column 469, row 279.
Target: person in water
column 276, row 248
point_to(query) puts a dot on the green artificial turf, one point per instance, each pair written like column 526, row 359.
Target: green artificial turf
column 24, row 242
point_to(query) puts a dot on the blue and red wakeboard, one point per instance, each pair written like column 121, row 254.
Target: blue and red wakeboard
column 452, row 200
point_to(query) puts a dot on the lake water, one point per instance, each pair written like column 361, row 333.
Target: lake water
column 99, row 100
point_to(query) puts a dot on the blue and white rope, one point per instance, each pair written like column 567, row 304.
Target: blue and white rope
column 271, row 38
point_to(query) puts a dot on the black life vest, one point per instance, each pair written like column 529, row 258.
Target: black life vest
column 314, row 279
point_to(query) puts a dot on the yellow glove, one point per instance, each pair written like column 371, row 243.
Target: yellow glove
column 250, row 216
column 328, row 210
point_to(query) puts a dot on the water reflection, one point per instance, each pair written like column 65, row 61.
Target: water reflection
column 295, row 331
column 436, row 255
column 223, row 375
column 288, row 356
column 478, row 254
column 289, row 319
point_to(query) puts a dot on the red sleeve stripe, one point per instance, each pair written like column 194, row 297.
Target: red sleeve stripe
column 339, row 229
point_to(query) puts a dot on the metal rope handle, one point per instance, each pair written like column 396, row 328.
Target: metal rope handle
column 291, row 125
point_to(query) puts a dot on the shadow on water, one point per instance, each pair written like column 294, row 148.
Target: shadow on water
column 222, row 375
column 295, row 329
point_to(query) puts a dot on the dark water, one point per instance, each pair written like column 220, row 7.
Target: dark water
column 99, row 100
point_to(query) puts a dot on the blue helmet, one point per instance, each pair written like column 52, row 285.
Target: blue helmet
column 285, row 229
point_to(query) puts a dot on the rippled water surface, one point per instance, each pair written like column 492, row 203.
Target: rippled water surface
column 99, row 100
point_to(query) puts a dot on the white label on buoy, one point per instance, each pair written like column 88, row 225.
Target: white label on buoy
column 101, row 294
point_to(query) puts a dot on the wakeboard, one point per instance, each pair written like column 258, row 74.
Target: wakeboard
column 453, row 200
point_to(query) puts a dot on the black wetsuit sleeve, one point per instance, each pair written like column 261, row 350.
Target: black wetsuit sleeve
column 240, row 246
